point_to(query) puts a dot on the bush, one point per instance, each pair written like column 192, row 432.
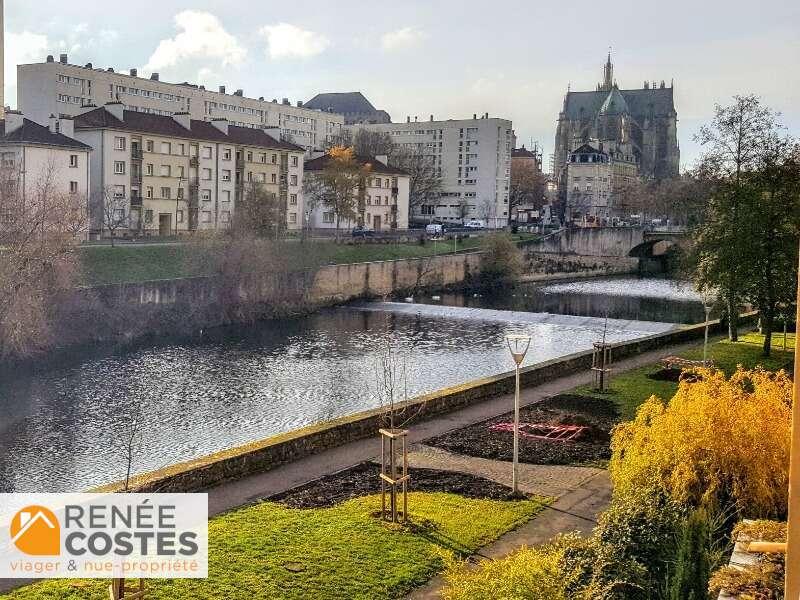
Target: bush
column 719, row 442
column 501, row 260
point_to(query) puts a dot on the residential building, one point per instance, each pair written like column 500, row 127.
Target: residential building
column 58, row 87
column 182, row 175
column 34, row 156
column 526, row 160
column 473, row 158
column 353, row 105
column 381, row 204
column 644, row 118
column 596, row 177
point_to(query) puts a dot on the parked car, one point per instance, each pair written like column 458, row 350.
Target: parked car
column 360, row 232
column 474, row 224
column 434, row 229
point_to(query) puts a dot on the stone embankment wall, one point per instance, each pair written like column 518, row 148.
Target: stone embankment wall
column 271, row 452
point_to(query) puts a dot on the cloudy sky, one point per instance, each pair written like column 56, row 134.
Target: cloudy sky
column 512, row 58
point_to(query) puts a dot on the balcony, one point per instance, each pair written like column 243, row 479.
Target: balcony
column 239, row 163
column 136, row 178
column 395, row 191
column 136, row 201
column 194, row 161
column 136, row 153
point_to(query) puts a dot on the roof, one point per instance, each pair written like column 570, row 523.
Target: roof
column 33, row 133
column 341, row 102
column 167, row 126
column 639, row 102
column 614, row 104
column 523, row 153
column 322, row 162
column 587, row 149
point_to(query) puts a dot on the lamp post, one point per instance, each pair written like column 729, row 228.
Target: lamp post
column 518, row 345
column 708, row 300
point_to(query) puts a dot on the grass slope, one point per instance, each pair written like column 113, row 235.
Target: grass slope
column 338, row 552
column 630, row 388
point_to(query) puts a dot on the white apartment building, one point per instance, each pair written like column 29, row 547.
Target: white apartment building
column 382, row 204
column 35, row 156
column 57, row 87
column 474, row 159
column 179, row 175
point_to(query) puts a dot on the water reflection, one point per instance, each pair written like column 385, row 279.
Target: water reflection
column 241, row 384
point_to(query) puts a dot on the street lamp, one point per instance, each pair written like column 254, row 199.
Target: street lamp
column 518, row 345
column 708, row 300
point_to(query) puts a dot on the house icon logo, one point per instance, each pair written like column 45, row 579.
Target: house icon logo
column 35, row 531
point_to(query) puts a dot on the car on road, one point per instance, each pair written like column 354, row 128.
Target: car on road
column 474, row 224
column 434, row 229
column 360, row 232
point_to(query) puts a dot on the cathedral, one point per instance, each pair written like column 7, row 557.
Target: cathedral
column 638, row 123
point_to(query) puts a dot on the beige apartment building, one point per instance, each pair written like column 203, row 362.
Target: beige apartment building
column 35, row 156
column 57, row 87
column 176, row 175
column 381, row 205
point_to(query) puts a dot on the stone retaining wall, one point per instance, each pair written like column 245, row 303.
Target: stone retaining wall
column 274, row 451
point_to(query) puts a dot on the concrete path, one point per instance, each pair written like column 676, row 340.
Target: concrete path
column 236, row 493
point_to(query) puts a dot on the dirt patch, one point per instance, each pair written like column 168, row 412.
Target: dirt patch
column 362, row 480
column 596, row 415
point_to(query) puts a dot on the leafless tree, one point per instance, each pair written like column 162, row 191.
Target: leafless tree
column 371, row 143
column 527, row 187
column 259, row 212
column 39, row 229
column 424, row 177
column 113, row 209
column 391, row 383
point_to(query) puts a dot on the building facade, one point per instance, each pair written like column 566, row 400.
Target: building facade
column 381, row 204
column 57, row 87
column 178, row 175
column 33, row 156
column 473, row 158
column 643, row 118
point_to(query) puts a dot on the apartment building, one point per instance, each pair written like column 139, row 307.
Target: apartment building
column 473, row 157
column 34, row 156
column 58, row 87
column 381, row 204
column 181, row 175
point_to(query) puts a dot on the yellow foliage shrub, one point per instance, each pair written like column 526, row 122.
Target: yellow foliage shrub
column 718, row 439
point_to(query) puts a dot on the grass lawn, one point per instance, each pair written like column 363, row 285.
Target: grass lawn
column 630, row 388
column 269, row 551
column 104, row 264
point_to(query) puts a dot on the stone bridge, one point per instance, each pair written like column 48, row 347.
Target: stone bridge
column 611, row 242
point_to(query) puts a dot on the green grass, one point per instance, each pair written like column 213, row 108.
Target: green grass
column 630, row 388
column 338, row 552
column 128, row 263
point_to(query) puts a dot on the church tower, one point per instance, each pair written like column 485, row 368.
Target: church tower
column 608, row 76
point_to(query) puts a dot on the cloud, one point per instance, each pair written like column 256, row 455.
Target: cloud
column 288, row 41
column 201, row 36
column 21, row 48
column 407, row 37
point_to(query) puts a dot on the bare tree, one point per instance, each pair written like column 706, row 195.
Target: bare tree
column 527, row 187
column 424, row 177
column 39, row 229
column 113, row 211
column 367, row 142
column 259, row 212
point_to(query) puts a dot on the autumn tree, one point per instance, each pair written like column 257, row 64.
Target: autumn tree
column 526, row 188
column 39, row 230
column 734, row 145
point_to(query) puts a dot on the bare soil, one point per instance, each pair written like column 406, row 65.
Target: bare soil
column 362, row 480
column 590, row 447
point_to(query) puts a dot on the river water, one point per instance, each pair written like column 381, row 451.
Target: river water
column 60, row 424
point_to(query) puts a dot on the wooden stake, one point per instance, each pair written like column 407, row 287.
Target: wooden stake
column 792, row 589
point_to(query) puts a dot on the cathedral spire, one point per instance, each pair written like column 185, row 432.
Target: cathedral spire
column 608, row 74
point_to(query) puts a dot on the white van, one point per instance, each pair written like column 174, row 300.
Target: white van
column 475, row 224
column 434, row 229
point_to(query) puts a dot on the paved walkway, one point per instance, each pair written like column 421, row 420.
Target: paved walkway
column 236, row 493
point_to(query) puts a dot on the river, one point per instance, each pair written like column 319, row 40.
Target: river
column 239, row 384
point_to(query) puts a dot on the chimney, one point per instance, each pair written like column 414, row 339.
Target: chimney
column 52, row 123
column 408, row 119
column 110, row 69
column 87, row 66
column 416, row 119
column 134, row 73
column 67, row 125
column 286, row 102
column 239, row 93
column 474, row 116
column 14, row 120
column 117, row 109
column 183, row 119
column 299, row 104
column 154, row 76
column 222, row 89
column 221, row 124
column 62, row 58
column 261, row 98
column 50, row 58
column 431, row 118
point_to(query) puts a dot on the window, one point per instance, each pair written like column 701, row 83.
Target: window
column 294, row 161
column 274, row 178
column 166, row 170
column 119, row 143
column 293, row 179
column 206, row 216
column 179, row 193
column 249, row 157
column 73, row 160
column 274, row 159
column 182, row 149
column 207, row 174
column 206, row 151
column 206, row 195
column 148, row 146
column 148, row 169
column 148, row 216
column 327, row 217
column 226, row 154
column 377, row 183
column 225, row 216
column 166, row 193
column 292, row 217
column 226, row 196
column 119, row 191
column 226, row 175
column 180, row 172
column 166, row 148
column 179, row 216
column 73, row 187
column 293, row 199
column 264, row 157
column 119, row 167
column 148, row 192
column 262, row 177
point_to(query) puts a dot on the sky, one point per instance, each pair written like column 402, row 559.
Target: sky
column 451, row 59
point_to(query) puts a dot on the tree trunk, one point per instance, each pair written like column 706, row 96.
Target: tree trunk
column 733, row 319
column 768, row 324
